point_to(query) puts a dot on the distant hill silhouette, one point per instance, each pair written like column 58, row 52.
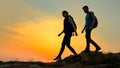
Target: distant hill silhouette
column 84, row 60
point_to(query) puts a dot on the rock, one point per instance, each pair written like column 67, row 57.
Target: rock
column 92, row 57
column 110, row 57
column 83, row 60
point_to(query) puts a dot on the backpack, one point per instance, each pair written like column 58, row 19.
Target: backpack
column 96, row 21
column 73, row 24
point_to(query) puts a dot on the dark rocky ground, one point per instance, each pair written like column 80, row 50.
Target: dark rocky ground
column 84, row 60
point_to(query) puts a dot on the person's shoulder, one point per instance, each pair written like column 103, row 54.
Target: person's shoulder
column 70, row 17
column 91, row 12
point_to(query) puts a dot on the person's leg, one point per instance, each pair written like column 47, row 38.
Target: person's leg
column 62, row 48
column 68, row 45
column 88, row 33
column 95, row 44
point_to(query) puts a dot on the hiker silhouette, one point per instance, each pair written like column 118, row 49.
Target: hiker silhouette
column 91, row 23
column 69, row 30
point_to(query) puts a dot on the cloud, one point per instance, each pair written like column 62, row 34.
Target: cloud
column 26, row 28
column 15, row 15
column 14, row 11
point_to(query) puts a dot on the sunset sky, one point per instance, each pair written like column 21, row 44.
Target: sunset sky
column 29, row 28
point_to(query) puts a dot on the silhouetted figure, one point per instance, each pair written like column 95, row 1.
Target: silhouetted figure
column 91, row 23
column 69, row 29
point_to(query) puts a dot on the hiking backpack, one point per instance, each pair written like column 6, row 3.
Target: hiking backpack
column 96, row 21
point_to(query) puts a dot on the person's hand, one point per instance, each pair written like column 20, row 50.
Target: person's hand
column 90, row 28
column 76, row 34
column 82, row 31
column 59, row 34
column 73, row 34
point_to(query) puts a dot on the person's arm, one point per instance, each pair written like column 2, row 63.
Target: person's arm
column 61, row 33
column 83, row 29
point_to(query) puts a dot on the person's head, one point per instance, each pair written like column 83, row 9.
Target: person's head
column 86, row 9
column 64, row 13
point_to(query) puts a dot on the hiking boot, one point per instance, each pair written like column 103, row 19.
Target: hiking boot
column 97, row 49
column 57, row 58
column 87, row 51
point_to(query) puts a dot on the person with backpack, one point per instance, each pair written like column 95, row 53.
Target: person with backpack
column 91, row 23
column 69, row 29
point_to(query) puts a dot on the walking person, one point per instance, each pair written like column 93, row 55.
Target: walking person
column 91, row 23
column 69, row 29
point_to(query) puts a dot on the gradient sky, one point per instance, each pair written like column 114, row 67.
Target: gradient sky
column 29, row 28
